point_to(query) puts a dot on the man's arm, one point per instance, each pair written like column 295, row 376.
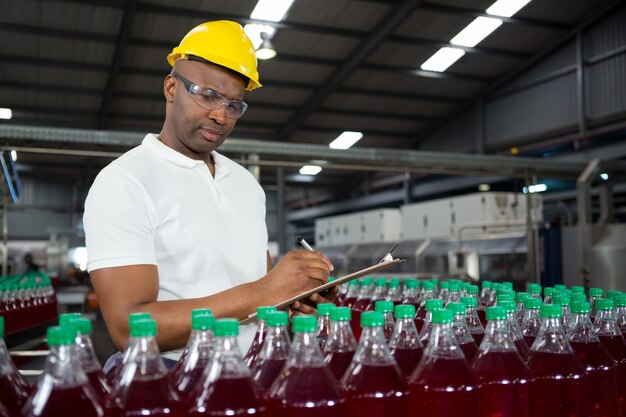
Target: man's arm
column 129, row 289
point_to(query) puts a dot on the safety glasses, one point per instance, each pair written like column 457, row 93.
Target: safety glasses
column 212, row 100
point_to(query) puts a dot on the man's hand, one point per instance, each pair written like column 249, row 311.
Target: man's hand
column 306, row 307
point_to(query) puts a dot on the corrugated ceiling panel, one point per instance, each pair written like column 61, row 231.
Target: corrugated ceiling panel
column 549, row 107
column 281, row 95
column 458, row 135
column 243, row 132
column 60, row 100
column 314, row 45
column 358, row 15
column 560, row 11
column 485, row 65
column 606, row 88
column 404, row 55
column 236, row 7
column 356, row 123
column 607, row 35
column 296, row 72
column 137, row 106
column 520, row 38
column 432, row 25
column 43, row 76
column 259, row 114
column 387, row 104
column 140, row 83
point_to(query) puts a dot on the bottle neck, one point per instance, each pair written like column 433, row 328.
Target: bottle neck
column 581, row 329
column 531, row 314
column 366, row 292
column 411, row 295
column 393, row 294
column 305, row 351
column 605, row 324
column 405, row 335
column 551, row 337
column 277, row 344
column 373, row 348
column 442, row 342
column 228, row 361
column 340, row 337
column 87, row 354
column 62, row 369
column 498, row 337
column 144, row 361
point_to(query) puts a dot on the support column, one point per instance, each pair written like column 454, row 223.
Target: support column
column 281, row 225
column 580, row 89
column 583, row 201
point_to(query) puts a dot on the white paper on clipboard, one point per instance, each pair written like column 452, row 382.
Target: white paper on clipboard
column 323, row 287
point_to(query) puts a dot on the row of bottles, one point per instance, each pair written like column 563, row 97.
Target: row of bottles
column 27, row 300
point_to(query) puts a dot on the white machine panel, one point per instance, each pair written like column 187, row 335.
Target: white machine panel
column 364, row 227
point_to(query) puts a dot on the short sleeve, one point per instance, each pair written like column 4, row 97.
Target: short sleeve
column 119, row 221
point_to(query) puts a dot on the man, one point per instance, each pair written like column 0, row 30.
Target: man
column 172, row 225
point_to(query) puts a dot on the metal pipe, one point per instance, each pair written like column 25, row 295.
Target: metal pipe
column 584, row 217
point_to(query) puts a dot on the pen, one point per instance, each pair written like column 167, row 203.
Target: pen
column 304, row 243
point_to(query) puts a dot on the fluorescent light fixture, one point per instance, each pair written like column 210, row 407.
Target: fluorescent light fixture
column 506, row 8
column 537, row 188
column 254, row 32
column 484, row 187
column 267, row 49
column 346, row 140
column 5, row 113
column 272, row 10
column 310, row 170
column 476, row 31
column 14, row 155
column 442, row 59
column 604, row 176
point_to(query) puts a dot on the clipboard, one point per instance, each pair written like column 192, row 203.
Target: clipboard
column 338, row 281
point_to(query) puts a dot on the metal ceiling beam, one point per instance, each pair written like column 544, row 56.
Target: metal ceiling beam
column 120, row 47
column 57, row 33
column 355, row 59
column 54, row 63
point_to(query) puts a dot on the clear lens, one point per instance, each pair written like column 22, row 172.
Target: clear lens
column 212, row 100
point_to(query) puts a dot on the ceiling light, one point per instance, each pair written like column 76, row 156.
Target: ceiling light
column 506, row 8
column 14, row 155
column 484, row 187
column 5, row 113
column 442, row 59
column 346, row 140
column 254, row 32
column 537, row 188
column 604, row 176
column 476, row 31
column 272, row 10
column 266, row 50
column 310, row 170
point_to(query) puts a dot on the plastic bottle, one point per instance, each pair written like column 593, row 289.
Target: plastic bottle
column 63, row 389
column 341, row 343
column 380, row 292
column 323, row 322
column 501, row 373
column 442, row 384
column 405, row 345
column 444, row 291
column 520, row 297
column 594, row 294
column 559, row 388
column 87, row 357
column 548, row 293
column 274, row 352
column 613, row 341
column 532, row 320
column 563, row 301
column 305, row 387
column 200, row 350
column 428, row 294
column 13, row 387
column 393, row 293
column 226, row 387
column 351, row 294
column 485, row 293
column 600, row 368
column 412, row 297
column 372, row 384
column 386, row 309
column 534, row 290
column 620, row 313
column 455, row 292
column 259, row 337
column 472, row 318
column 461, row 332
column 429, row 306
column 114, row 375
column 362, row 301
column 516, row 332
column 142, row 376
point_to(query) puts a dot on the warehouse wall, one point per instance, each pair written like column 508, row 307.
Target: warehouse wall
column 543, row 102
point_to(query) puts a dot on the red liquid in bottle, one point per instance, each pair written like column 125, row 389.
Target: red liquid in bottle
column 13, row 392
column 63, row 402
column 601, row 378
column 349, row 302
column 529, row 340
column 187, row 382
column 482, row 315
column 377, row 391
column 496, row 399
column 407, row 359
column 478, row 338
column 299, row 388
column 154, row 398
column 616, row 347
column 338, row 362
column 559, row 386
column 419, row 317
column 4, row 412
column 266, row 372
column 100, row 385
column 229, row 397
column 522, row 348
column 253, row 353
column 444, row 388
column 469, row 350
column 355, row 324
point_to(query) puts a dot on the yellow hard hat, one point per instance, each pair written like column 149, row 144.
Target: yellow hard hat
column 224, row 43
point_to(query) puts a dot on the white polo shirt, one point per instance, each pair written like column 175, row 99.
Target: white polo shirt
column 153, row 205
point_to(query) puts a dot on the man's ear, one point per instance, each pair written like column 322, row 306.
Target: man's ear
column 169, row 88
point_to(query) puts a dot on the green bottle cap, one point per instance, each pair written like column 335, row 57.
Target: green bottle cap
column 381, row 282
column 548, row 291
column 581, row 307
column 534, row 288
column 353, row 282
column 201, row 312
column 58, row 335
column 65, row 318
column 394, row 283
column 578, row 297
column 472, row 289
column 604, row 304
column 143, row 328
column 229, row 327
column 332, row 279
column 411, row 283
column 562, row 300
column 405, row 311
column 341, row 314
column 456, row 308
column 508, row 284
column 304, row 324
column 504, row 290
column 202, row 322
column 277, row 318
column 559, row 287
column 384, row 306
column 444, row 285
column 578, row 289
column 486, row 284
column 613, row 293
column 132, row 317
column 620, row 300
column 324, row 309
column 372, row 319
column 551, row 311
column 520, row 297
column 367, row 281
column 505, row 297
column 1, row 327
column 441, row 316
column 496, row 313
column 430, row 305
column 532, row 304
column 261, row 312
column 455, row 286
column 83, row 325
column 428, row 286
column 507, row 305
column 469, row 301
column 596, row 292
